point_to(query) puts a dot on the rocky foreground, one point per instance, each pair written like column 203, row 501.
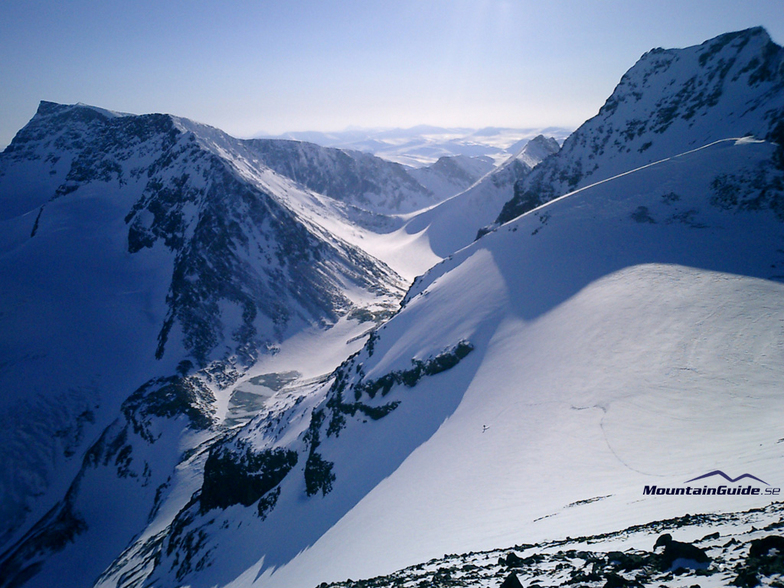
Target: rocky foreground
column 743, row 549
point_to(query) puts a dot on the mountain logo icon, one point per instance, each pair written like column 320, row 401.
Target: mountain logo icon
column 726, row 477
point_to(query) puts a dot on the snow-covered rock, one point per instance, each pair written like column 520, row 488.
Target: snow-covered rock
column 353, row 177
column 671, row 101
column 451, row 175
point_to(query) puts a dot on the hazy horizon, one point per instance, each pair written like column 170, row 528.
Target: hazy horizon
column 249, row 67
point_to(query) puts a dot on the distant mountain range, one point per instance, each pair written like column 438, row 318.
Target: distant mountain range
column 274, row 363
column 424, row 145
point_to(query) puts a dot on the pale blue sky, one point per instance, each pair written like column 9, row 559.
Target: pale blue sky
column 249, row 66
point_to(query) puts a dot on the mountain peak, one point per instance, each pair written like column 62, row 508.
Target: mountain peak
column 747, row 34
column 671, row 101
column 46, row 109
column 52, row 120
column 701, row 75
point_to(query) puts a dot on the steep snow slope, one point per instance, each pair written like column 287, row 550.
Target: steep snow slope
column 671, row 101
column 146, row 266
column 625, row 335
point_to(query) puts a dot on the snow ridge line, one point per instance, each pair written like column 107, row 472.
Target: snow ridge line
column 626, row 173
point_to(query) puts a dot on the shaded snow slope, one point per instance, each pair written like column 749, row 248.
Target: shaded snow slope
column 671, row 101
column 530, row 388
column 146, row 266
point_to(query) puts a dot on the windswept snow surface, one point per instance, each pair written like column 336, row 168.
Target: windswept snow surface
column 629, row 334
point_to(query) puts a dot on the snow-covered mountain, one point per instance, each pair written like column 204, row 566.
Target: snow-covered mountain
column 152, row 266
column 366, row 181
column 453, row 174
column 148, row 255
column 671, row 101
column 532, row 387
column 453, row 224
column 423, row 145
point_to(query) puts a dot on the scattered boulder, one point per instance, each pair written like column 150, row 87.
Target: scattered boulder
column 627, row 561
column 712, row 536
column 512, row 561
column 617, row 581
column 763, row 548
column 677, row 555
column 766, row 558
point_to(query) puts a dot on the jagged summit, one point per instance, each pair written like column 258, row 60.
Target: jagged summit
column 670, row 101
column 537, row 150
column 47, row 108
column 185, row 185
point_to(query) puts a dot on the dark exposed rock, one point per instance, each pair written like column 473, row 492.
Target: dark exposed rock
column 59, row 527
column 169, row 397
column 628, row 562
column 512, row 561
column 762, row 548
column 230, row 478
column 677, row 554
column 765, row 558
column 350, row 375
column 617, row 581
column 430, row 367
column 318, row 475
column 511, row 581
column 318, row 471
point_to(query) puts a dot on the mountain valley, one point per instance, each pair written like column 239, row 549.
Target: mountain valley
column 271, row 363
